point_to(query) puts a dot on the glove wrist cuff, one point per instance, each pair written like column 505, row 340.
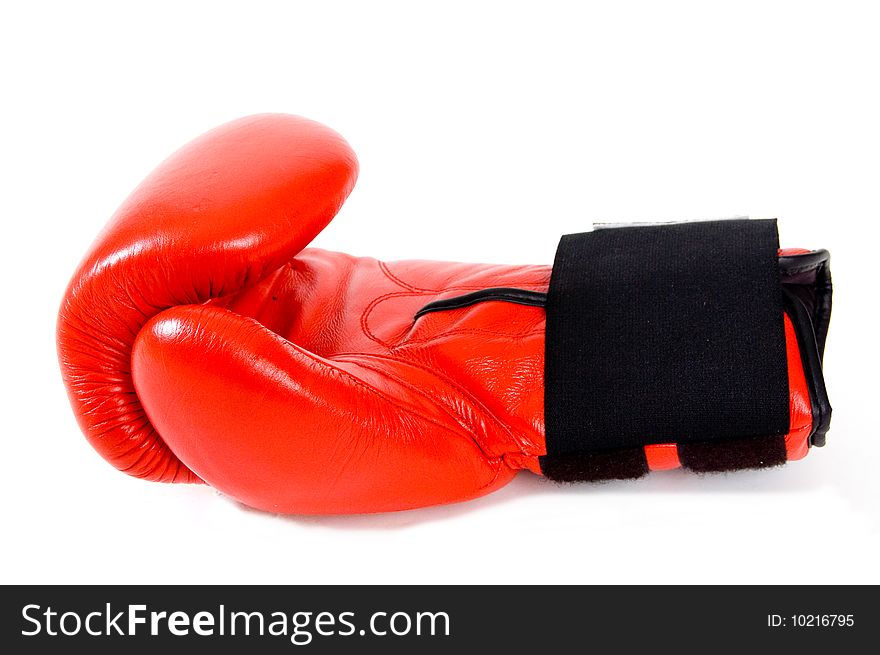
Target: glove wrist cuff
column 670, row 342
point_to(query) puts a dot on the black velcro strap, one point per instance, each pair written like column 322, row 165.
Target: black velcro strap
column 664, row 334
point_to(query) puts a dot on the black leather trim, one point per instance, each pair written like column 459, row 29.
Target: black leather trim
column 790, row 264
column 808, row 277
column 812, row 362
column 502, row 294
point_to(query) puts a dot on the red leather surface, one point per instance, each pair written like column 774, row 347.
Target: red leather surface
column 662, row 456
column 199, row 341
column 797, row 441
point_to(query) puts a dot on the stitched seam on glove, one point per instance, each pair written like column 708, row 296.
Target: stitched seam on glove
column 447, row 409
column 391, row 276
column 353, row 379
column 512, row 335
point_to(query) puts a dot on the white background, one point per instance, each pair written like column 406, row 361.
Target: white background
column 484, row 132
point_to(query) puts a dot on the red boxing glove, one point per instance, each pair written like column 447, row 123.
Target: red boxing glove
column 199, row 341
